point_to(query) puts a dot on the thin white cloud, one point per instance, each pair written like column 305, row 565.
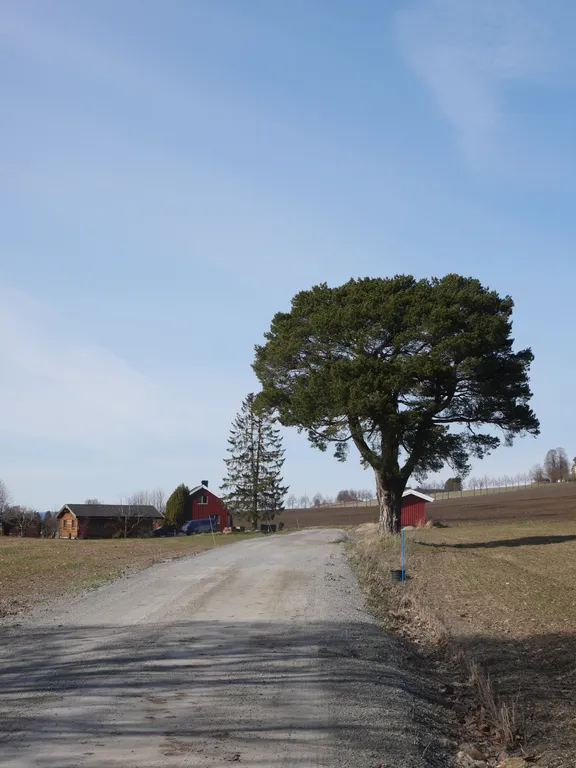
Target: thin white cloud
column 468, row 51
column 57, row 387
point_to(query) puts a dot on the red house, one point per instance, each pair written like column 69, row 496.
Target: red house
column 204, row 504
column 414, row 507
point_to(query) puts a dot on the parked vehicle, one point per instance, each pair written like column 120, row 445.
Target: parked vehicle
column 207, row 525
column 166, row 530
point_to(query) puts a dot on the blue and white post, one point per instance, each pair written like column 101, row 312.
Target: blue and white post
column 403, row 564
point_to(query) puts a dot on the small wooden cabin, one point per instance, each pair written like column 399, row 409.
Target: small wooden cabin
column 103, row 521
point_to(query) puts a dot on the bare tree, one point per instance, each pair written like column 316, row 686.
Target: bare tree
column 317, row 500
column 291, row 501
column 155, row 498
column 158, row 500
column 537, row 474
column 21, row 518
column 92, row 501
column 138, row 498
column 131, row 514
column 370, row 494
column 556, row 465
column 564, row 464
column 304, row 501
column 5, row 499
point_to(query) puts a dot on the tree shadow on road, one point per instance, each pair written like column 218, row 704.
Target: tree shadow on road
column 213, row 689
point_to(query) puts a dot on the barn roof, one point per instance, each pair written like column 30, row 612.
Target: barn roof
column 410, row 492
column 202, row 488
column 111, row 510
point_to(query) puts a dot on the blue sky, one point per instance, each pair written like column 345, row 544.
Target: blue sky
column 172, row 173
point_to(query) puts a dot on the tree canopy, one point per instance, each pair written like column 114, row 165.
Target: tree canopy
column 178, row 505
column 415, row 373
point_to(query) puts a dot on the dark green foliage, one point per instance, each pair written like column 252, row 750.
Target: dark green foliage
column 416, row 373
column 178, row 506
column 253, row 485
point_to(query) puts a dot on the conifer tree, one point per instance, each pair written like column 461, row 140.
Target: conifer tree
column 178, row 505
column 253, row 485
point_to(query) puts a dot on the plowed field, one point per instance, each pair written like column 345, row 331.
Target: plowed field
column 545, row 502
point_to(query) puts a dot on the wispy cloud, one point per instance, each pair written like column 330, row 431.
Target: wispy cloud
column 468, row 51
column 57, row 387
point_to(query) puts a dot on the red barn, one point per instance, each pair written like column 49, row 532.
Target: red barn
column 414, row 507
column 204, row 503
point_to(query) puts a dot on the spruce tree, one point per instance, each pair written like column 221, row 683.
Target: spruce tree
column 253, row 485
column 178, row 505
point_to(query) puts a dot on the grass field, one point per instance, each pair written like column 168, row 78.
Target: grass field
column 32, row 570
column 506, row 595
column 543, row 502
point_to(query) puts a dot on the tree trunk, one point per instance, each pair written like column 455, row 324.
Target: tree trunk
column 389, row 497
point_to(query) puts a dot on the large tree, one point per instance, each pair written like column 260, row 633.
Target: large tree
column 415, row 373
column 556, row 465
column 253, row 488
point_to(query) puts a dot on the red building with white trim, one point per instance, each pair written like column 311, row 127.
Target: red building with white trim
column 204, row 504
column 414, row 507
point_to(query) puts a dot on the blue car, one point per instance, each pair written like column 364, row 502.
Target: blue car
column 206, row 525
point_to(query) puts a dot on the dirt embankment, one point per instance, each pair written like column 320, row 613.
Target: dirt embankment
column 492, row 609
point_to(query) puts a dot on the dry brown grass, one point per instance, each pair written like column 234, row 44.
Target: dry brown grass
column 32, row 570
column 503, row 598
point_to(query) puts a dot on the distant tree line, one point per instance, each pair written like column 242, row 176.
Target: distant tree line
column 346, row 496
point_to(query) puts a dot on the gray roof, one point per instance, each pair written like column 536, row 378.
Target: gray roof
column 111, row 510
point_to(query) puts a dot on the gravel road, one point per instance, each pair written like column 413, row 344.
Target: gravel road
column 260, row 653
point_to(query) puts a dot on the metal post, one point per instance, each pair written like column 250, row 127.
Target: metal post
column 403, row 570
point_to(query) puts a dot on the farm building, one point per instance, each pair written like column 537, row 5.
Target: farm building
column 103, row 521
column 414, row 507
column 204, row 504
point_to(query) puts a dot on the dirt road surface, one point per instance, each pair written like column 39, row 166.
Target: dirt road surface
column 260, row 653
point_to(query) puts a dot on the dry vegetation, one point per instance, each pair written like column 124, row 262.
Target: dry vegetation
column 496, row 603
column 32, row 570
